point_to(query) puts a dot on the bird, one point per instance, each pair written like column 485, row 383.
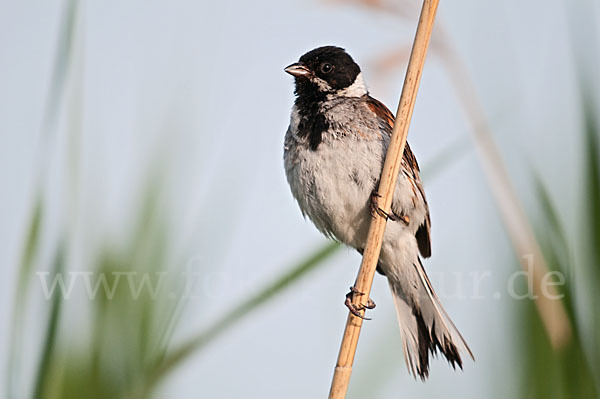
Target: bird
column 334, row 150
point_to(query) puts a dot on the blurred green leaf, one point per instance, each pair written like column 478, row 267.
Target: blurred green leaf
column 51, row 330
column 592, row 220
column 126, row 333
column 181, row 353
column 593, row 183
column 62, row 61
column 568, row 372
column 32, row 241
column 549, row 374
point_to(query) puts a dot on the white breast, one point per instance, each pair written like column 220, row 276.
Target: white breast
column 333, row 183
column 332, row 186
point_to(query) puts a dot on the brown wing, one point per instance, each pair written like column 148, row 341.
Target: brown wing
column 410, row 168
column 384, row 115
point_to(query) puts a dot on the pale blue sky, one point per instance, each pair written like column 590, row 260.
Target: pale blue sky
column 201, row 84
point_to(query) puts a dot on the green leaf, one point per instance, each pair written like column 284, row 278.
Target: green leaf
column 30, row 249
column 184, row 351
column 44, row 368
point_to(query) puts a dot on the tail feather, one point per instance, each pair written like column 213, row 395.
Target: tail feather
column 426, row 327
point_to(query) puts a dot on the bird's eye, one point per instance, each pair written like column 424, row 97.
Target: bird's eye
column 326, row 67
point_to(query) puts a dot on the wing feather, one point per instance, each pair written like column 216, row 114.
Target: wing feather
column 410, row 168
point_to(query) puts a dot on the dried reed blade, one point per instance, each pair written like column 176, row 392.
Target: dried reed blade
column 389, row 175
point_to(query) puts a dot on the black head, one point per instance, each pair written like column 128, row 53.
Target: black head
column 325, row 70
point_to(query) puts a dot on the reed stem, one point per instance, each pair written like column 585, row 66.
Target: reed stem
column 391, row 168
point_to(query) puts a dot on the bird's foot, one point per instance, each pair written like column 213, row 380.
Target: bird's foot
column 376, row 210
column 357, row 309
column 404, row 219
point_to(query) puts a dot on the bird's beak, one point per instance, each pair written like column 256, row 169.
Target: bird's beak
column 297, row 69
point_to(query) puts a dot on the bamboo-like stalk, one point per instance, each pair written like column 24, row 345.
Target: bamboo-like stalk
column 552, row 311
column 391, row 168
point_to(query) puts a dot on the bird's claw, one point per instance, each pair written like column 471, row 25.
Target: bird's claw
column 357, row 309
column 376, row 210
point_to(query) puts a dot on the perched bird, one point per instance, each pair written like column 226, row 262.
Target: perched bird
column 333, row 154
